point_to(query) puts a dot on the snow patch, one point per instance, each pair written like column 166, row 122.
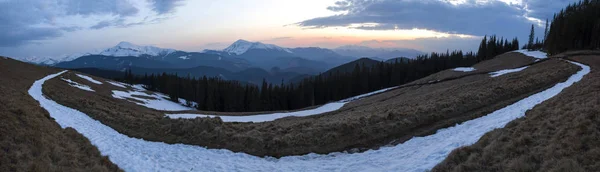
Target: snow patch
column 92, row 80
column 416, row 154
column 184, row 57
column 264, row 117
column 330, row 107
column 139, row 87
column 464, row 69
column 154, row 101
column 117, row 84
column 507, row 71
column 534, row 54
column 78, row 85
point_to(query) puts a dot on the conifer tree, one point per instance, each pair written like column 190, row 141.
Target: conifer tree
column 531, row 38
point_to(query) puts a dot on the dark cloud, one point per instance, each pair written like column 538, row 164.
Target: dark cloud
column 114, row 7
column 471, row 17
column 21, row 35
column 164, row 6
column 26, row 21
column 545, row 9
column 440, row 44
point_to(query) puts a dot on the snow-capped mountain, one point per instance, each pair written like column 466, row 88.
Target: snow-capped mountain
column 242, row 46
column 124, row 49
column 39, row 60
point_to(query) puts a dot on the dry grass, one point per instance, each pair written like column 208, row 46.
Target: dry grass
column 368, row 123
column 561, row 134
column 504, row 61
column 32, row 141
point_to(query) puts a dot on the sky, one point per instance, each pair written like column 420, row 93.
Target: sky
column 56, row 28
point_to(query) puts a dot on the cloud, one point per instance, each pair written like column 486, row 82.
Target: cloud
column 472, row 17
column 95, row 7
column 543, row 9
column 436, row 44
column 30, row 21
column 164, row 6
column 121, row 23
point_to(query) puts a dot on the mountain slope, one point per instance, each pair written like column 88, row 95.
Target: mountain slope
column 127, row 49
column 349, row 67
column 30, row 139
column 384, row 53
column 241, row 46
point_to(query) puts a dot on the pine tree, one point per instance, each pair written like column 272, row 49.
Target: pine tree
column 546, row 31
column 531, row 39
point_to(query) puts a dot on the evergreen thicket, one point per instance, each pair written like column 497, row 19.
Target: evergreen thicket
column 215, row 94
column 576, row 27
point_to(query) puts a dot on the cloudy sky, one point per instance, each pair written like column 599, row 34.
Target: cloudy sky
column 53, row 28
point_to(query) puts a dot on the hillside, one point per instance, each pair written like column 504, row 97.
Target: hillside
column 399, row 101
column 362, row 124
column 30, row 139
column 558, row 135
column 349, row 67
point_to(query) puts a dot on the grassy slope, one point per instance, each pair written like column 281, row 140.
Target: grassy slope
column 29, row 139
column 393, row 116
column 562, row 134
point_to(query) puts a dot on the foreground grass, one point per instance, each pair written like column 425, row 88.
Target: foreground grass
column 29, row 139
column 562, row 134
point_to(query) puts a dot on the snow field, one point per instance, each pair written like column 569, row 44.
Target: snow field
column 157, row 101
column 506, row 71
column 78, row 85
column 117, row 84
column 416, row 154
column 330, row 107
column 264, row 117
column 534, row 54
column 89, row 79
column 464, row 69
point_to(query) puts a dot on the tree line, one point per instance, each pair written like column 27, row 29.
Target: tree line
column 576, row 27
column 216, row 94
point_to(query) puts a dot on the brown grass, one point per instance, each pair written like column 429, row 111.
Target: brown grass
column 30, row 140
column 508, row 60
column 368, row 123
column 561, row 134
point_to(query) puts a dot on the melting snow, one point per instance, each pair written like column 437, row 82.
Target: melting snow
column 89, row 79
column 464, row 69
column 155, row 101
column 534, row 54
column 265, row 117
column 507, row 71
column 330, row 107
column 78, row 85
column 118, row 84
column 416, row 154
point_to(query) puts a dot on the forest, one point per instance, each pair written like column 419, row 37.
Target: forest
column 577, row 27
column 216, row 94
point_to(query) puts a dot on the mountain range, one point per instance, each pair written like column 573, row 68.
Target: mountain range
column 243, row 60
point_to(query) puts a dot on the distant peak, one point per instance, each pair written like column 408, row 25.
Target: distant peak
column 242, row 41
column 242, row 46
column 126, row 44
